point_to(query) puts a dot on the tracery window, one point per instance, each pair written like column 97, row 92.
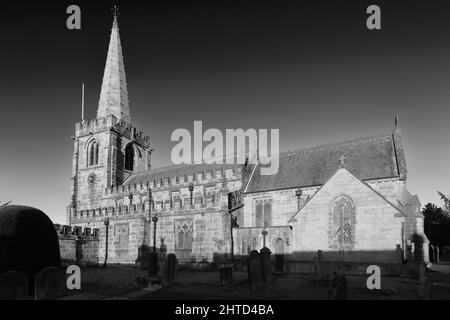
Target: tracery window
column 93, row 153
column 263, row 213
column 342, row 223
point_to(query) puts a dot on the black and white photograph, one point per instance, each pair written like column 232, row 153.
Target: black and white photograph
column 236, row 152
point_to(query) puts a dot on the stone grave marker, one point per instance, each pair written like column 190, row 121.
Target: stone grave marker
column 319, row 266
column 337, row 289
column 436, row 254
column 152, row 264
column 169, row 268
column 317, row 270
column 13, row 286
column 226, row 274
column 446, row 251
column 266, row 264
column 254, row 271
column 425, row 285
column 50, row 284
column 418, row 241
column 431, row 252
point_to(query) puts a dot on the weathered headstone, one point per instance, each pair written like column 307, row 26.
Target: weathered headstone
column 226, row 274
column 431, row 252
column 319, row 267
column 13, row 286
column 143, row 256
column 317, row 270
column 436, row 254
column 50, row 283
column 337, row 289
column 152, row 264
column 418, row 241
column 425, row 285
column 169, row 268
column 254, row 271
column 266, row 264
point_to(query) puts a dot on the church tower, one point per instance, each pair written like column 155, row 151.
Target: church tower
column 107, row 149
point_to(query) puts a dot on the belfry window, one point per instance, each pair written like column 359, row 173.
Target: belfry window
column 342, row 223
column 93, row 153
column 129, row 157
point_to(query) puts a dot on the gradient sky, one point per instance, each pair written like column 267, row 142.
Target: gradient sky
column 311, row 69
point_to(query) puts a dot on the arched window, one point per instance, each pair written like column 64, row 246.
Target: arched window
column 93, row 153
column 263, row 213
column 342, row 223
column 259, row 214
column 267, row 214
column 129, row 157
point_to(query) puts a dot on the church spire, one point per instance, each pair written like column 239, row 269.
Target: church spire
column 114, row 94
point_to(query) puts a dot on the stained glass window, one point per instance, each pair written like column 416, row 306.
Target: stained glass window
column 342, row 224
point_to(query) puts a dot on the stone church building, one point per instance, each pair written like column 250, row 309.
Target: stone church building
column 348, row 199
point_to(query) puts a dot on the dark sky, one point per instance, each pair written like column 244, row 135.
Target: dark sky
column 310, row 69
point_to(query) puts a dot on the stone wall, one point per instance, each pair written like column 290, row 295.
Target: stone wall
column 78, row 246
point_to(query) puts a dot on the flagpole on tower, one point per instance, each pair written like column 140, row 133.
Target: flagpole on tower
column 82, row 102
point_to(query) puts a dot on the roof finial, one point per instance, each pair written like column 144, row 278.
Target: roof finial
column 116, row 13
column 115, row 10
column 396, row 125
column 342, row 161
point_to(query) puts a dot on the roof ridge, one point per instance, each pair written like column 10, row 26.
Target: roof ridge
column 335, row 143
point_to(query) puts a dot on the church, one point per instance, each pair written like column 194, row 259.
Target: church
column 348, row 199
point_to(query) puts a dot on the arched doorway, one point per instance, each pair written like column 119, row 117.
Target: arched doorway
column 279, row 255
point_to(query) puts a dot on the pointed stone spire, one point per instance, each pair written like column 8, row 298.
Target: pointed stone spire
column 114, row 94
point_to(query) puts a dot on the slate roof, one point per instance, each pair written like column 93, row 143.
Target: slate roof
column 368, row 158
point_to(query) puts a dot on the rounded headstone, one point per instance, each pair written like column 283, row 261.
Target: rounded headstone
column 28, row 241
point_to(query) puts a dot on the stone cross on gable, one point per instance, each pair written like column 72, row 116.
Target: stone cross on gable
column 342, row 161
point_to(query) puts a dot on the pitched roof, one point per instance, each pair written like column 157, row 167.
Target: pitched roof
column 368, row 158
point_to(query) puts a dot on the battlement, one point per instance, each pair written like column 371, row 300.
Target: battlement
column 162, row 183
column 111, row 123
column 65, row 231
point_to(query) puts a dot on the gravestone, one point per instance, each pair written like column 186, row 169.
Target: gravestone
column 337, row 289
column 319, row 267
column 50, row 283
column 226, row 274
column 143, row 256
column 266, row 264
column 254, row 271
column 446, row 251
column 431, row 252
column 418, row 241
column 169, row 268
column 436, row 254
column 425, row 285
column 152, row 264
column 317, row 270
column 13, row 286
column 29, row 241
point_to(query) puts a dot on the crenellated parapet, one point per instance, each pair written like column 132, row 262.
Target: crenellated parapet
column 76, row 232
column 110, row 122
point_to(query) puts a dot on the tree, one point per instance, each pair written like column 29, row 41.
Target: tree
column 436, row 225
column 446, row 201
